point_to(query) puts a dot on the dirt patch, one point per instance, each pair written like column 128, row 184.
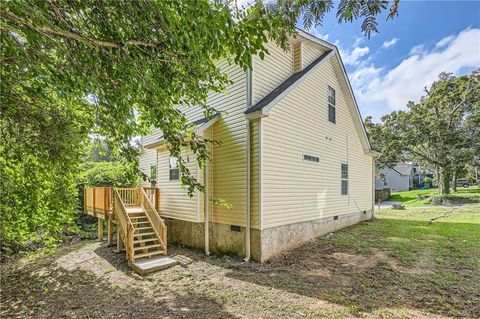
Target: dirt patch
column 320, row 279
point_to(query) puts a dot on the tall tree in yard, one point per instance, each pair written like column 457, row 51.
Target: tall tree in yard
column 443, row 129
column 117, row 68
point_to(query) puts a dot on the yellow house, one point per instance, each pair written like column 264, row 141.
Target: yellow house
column 294, row 160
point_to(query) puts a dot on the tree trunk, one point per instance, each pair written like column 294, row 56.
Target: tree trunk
column 445, row 180
column 454, row 185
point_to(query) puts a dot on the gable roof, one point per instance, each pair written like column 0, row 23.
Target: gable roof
column 201, row 124
column 274, row 96
column 262, row 108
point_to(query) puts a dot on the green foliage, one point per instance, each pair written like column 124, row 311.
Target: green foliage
column 116, row 174
column 443, row 130
column 114, row 69
column 427, row 180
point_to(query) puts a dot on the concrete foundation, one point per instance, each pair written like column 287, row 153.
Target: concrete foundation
column 264, row 243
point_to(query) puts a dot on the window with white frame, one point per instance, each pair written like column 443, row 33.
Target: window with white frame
column 153, row 175
column 174, row 172
column 344, row 179
column 331, row 105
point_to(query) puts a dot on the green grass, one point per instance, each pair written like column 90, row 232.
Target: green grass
column 449, row 236
column 412, row 198
column 414, row 263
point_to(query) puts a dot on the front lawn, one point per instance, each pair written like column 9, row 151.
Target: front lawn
column 421, row 197
column 419, row 263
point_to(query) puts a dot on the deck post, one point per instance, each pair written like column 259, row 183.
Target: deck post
column 100, row 229
column 110, row 231
column 157, row 199
column 94, row 213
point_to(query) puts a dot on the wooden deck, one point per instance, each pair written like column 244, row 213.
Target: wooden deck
column 141, row 232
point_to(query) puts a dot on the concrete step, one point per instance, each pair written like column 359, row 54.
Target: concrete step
column 148, row 265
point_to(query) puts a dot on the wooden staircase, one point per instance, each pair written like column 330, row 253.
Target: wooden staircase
column 145, row 241
column 141, row 232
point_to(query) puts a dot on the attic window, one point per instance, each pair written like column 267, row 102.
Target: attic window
column 297, row 57
column 311, row 158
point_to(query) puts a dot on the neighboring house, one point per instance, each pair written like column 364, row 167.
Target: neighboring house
column 399, row 178
column 294, row 160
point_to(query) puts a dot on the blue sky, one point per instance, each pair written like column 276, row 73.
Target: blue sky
column 393, row 66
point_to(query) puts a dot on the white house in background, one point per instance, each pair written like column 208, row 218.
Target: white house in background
column 399, row 178
column 294, row 161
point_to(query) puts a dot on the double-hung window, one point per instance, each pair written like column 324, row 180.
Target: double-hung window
column 331, row 105
column 344, row 179
column 153, row 175
column 174, row 172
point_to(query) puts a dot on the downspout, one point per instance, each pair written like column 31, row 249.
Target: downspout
column 373, row 188
column 248, row 221
column 207, row 204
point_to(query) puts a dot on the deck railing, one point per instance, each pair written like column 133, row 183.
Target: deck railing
column 97, row 200
column 129, row 196
column 113, row 203
column 152, row 215
column 126, row 225
column 153, row 194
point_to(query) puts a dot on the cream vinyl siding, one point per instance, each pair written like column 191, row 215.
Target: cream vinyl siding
column 174, row 201
column 146, row 160
column 229, row 158
column 295, row 190
column 255, row 173
column 276, row 67
column 311, row 52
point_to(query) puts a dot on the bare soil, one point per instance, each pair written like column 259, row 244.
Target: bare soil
column 321, row 279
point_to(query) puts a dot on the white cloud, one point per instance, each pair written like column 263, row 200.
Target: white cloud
column 358, row 41
column 353, row 57
column 389, row 43
column 318, row 34
column 376, row 89
column 443, row 42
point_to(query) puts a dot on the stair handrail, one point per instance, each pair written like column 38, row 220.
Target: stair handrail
column 158, row 224
column 125, row 223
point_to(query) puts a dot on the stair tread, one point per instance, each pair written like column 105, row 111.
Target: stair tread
column 150, row 253
column 144, row 240
column 147, row 247
column 144, row 234
column 142, row 228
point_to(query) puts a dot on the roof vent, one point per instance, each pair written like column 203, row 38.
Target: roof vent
column 297, row 57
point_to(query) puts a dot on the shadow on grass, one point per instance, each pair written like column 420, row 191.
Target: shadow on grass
column 350, row 268
column 54, row 292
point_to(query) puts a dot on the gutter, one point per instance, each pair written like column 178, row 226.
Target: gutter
column 247, row 151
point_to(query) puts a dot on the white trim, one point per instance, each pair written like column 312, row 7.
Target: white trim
column 197, row 195
column 315, row 39
column 359, row 116
column 201, row 130
column 261, row 176
column 249, row 84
